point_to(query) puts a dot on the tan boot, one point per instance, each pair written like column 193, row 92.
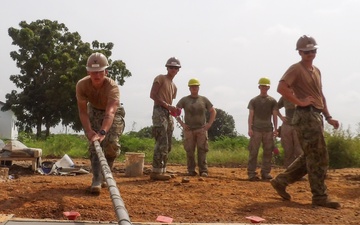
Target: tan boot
column 97, row 176
column 159, row 176
column 329, row 203
column 280, row 189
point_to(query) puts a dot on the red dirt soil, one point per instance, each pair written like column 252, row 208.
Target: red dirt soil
column 225, row 196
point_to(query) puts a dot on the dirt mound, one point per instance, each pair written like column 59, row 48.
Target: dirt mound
column 225, row 196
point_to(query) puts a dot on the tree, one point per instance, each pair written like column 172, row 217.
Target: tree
column 145, row 132
column 224, row 125
column 51, row 61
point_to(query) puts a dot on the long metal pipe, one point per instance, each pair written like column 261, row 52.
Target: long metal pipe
column 118, row 203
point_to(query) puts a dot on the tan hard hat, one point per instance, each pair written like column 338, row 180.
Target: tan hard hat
column 97, row 62
column 173, row 62
column 306, row 43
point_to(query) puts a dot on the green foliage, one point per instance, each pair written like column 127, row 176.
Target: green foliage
column 51, row 60
column 230, row 144
column 145, row 132
column 223, row 126
column 343, row 150
column 130, row 143
column 57, row 145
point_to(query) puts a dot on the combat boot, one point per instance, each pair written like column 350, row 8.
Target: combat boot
column 97, row 176
column 159, row 176
column 280, row 189
column 329, row 203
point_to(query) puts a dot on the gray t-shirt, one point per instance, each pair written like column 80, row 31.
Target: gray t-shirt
column 195, row 110
column 263, row 107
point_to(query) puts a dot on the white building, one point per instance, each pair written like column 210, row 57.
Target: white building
column 8, row 130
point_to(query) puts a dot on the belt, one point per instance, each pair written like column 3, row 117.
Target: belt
column 309, row 108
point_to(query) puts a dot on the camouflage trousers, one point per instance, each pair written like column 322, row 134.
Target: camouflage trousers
column 110, row 145
column 163, row 127
column 267, row 140
column 196, row 139
column 290, row 143
column 315, row 159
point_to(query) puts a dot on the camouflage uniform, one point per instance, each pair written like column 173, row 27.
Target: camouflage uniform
column 262, row 133
column 196, row 139
column 308, row 123
column 110, row 144
column 163, row 127
column 289, row 140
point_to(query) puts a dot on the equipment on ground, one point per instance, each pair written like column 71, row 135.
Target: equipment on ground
column 118, row 203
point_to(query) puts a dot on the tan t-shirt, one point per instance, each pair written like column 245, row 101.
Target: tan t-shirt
column 98, row 98
column 305, row 83
column 167, row 91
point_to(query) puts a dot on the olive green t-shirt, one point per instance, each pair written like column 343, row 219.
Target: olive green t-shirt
column 195, row 110
column 263, row 107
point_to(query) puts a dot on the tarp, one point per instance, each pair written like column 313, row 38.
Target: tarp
column 64, row 166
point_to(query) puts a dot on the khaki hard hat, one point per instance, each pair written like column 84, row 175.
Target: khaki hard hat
column 173, row 62
column 193, row 82
column 97, row 62
column 264, row 81
column 306, row 43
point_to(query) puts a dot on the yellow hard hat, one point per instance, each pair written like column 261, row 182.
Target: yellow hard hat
column 194, row 82
column 264, row 81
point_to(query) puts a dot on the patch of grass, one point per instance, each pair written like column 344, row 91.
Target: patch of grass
column 343, row 149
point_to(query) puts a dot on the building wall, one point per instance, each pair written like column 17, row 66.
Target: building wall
column 8, row 130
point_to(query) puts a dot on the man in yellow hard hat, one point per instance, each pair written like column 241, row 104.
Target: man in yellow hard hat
column 195, row 127
column 101, row 115
column 262, row 109
column 301, row 84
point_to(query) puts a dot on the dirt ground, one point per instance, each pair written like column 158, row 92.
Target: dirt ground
column 225, row 196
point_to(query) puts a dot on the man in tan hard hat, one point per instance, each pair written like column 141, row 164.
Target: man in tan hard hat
column 262, row 112
column 301, row 84
column 195, row 127
column 163, row 91
column 98, row 100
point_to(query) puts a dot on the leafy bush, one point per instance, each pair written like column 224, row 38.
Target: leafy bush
column 58, row 145
column 343, row 150
column 231, row 144
column 225, row 151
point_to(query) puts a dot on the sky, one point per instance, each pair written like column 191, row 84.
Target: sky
column 228, row 45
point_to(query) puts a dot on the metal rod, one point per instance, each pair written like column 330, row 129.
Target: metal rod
column 118, row 203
